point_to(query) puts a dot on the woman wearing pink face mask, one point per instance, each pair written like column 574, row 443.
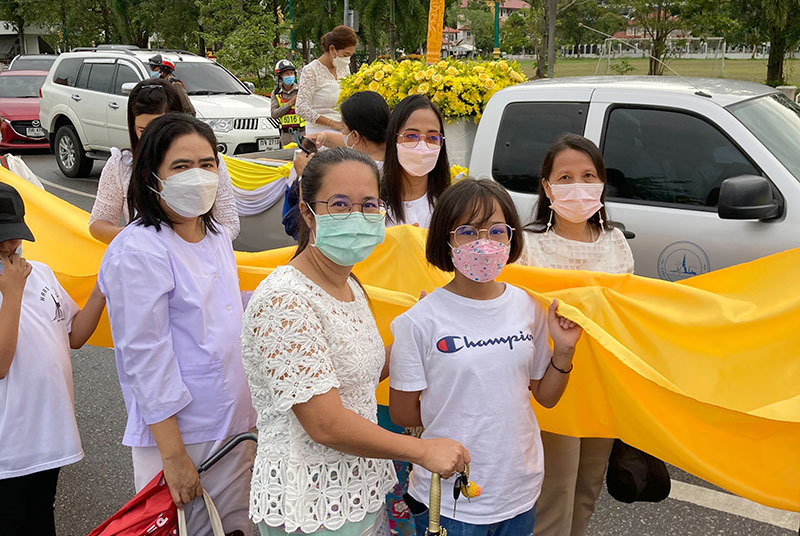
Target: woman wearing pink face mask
column 416, row 170
column 466, row 358
column 571, row 232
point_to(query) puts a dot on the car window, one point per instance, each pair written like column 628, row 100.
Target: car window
column 67, row 72
column 100, row 76
column 527, row 129
column 125, row 74
column 667, row 156
column 775, row 121
column 15, row 87
column 207, row 78
column 83, row 78
column 33, row 64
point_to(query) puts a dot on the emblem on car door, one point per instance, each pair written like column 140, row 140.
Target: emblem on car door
column 681, row 260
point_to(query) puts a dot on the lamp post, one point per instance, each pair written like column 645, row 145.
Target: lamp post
column 496, row 52
column 291, row 30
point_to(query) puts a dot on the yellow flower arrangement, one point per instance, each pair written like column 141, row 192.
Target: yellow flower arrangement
column 459, row 88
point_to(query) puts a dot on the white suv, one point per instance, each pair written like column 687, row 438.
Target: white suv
column 84, row 108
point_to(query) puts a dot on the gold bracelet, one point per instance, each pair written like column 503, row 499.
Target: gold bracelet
column 571, row 366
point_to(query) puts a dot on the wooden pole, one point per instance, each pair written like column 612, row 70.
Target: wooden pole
column 435, row 26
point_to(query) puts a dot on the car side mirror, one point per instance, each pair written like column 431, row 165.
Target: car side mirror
column 127, row 87
column 251, row 86
column 747, row 197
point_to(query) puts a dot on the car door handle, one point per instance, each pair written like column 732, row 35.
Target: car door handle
column 630, row 235
column 113, row 105
column 76, row 97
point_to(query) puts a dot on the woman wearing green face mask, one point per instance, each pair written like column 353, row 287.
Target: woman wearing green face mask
column 314, row 357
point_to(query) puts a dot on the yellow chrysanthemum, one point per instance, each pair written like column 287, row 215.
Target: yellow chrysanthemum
column 442, row 64
column 437, row 78
column 374, row 86
column 489, row 84
column 452, row 71
column 378, row 75
column 479, row 68
column 412, row 91
column 418, row 76
column 503, row 65
column 424, row 87
column 483, row 77
column 388, row 68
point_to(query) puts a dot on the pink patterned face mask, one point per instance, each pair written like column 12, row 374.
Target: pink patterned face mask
column 481, row 260
column 576, row 202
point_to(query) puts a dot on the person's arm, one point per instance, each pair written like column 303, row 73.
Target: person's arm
column 329, row 423
column 385, row 372
column 107, row 208
column 85, row 321
column 224, row 209
column 305, row 94
column 12, row 285
column 565, row 334
column 279, row 110
column 327, row 138
column 180, row 472
column 404, row 408
column 407, row 372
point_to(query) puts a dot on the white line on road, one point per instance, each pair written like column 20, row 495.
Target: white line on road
column 731, row 504
column 70, row 190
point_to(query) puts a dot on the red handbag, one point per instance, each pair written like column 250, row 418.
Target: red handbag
column 150, row 512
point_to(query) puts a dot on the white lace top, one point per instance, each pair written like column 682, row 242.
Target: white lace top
column 318, row 92
column 298, row 342
column 111, row 203
column 609, row 253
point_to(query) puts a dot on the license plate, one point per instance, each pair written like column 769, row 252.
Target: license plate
column 34, row 132
column 268, row 144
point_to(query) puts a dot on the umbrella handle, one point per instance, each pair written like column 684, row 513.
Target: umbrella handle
column 435, row 507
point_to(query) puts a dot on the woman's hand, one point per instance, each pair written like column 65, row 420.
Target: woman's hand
column 182, row 479
column 15, row 272
column 443, row 456
column 565, row 333
column 319, row 138
column 337, row 125
column 301, row 161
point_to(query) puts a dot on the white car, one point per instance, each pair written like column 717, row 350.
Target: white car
column 83, row 104
column 702, row 173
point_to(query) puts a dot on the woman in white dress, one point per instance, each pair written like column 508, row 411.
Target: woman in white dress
column 319, row 87
column 149, row 99
column 571, row 232
column 314, row 357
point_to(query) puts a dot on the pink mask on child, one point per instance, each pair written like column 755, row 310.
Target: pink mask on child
column 480, row 260
column 576, row 202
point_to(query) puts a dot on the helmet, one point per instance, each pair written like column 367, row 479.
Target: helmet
column 155, row 61
column 168, row 65
column 283, row 65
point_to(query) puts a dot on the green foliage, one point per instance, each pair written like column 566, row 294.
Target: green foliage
column 604, row 18
column 516, row 34
column 622, row 67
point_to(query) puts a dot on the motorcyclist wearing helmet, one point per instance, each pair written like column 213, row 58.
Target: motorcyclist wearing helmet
column 283, row 101
column 165, row 69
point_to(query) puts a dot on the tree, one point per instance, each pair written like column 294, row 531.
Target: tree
column 658, row 20
column 516, row 34
column 14, row 13
column 539, row 14
column 479, row 18
column 572, row 23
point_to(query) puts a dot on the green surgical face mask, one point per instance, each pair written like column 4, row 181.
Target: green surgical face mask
column 350, row 240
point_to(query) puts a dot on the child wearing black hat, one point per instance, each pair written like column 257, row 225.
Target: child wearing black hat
column 39, row 322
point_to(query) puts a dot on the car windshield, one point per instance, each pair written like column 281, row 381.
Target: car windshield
column 775, row 121
column 201, row 78
column 33, row 64
column 15, row 87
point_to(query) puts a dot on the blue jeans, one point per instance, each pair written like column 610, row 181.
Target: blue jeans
column 520, row 525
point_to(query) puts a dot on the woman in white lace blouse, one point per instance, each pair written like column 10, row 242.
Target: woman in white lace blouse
column 150, row 99
column 571, row 232
column 318, row 90
column 314, row 357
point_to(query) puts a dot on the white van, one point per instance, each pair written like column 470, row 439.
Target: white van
column 702, row 173
column 84, row 109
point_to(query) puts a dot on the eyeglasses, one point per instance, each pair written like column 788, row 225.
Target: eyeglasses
column 499, row 232
column 340, row 207
column 411, row 139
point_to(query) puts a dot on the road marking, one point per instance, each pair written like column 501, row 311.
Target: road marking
column 70, row 190
column 731, row 504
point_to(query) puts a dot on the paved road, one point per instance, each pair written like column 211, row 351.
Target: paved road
column 96, row 487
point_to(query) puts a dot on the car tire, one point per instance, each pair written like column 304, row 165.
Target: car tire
column 70, row 156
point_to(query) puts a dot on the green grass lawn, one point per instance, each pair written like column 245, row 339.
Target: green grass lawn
column 751, row 70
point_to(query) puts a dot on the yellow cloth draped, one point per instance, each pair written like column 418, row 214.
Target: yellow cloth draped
column 250, row 176
column 704, row 374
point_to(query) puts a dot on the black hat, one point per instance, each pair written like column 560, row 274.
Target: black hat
column 155, row 61
column 12, row 215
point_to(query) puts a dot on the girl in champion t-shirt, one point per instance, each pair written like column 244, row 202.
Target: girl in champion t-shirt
column 467, row 357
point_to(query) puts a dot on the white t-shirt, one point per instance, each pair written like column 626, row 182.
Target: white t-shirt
column 38, row 430
column 473, row 360
column 418, row 212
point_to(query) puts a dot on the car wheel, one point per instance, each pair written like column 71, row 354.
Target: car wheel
column 70, row 156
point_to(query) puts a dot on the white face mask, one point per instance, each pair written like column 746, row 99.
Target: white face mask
column 190, row 193
column 340, row 62
column 346, row 140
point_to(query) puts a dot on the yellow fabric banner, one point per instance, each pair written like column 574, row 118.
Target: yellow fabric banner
column 250, row 176
column 704, row 374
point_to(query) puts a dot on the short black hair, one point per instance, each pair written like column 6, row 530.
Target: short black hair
column 143, row 202
column 367, row 113
column 438, row 178
column 469, row 200
column 151, row 96
column 563, row 143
